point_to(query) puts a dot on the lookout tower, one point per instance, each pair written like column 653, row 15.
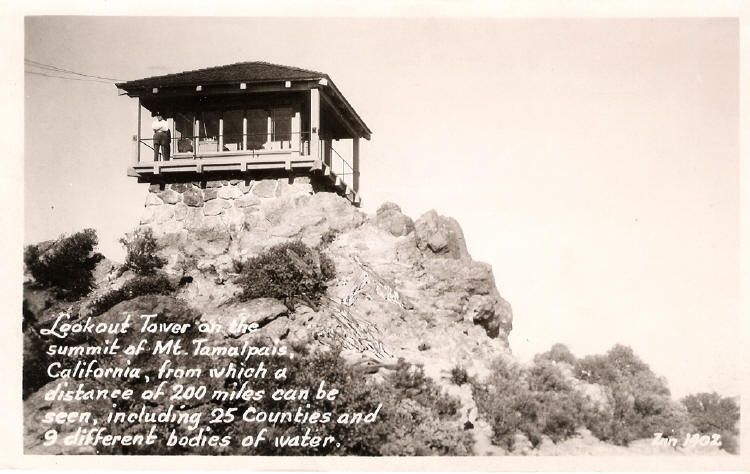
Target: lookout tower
column 249, row 118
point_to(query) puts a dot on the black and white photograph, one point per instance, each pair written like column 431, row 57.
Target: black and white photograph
column 371, row 240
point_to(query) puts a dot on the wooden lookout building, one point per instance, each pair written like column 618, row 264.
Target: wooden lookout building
column 248, row 118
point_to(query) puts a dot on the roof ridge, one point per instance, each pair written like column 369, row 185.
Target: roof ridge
column 204, row 69
column 283, row 65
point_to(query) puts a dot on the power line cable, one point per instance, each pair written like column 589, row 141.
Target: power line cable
column 59, row 69
column 68, row 78
column 55, row 76
column 62, row 70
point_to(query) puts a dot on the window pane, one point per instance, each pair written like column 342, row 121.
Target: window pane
column 282, row 124
column 209, row 125
column 208, row 132
column 257, row 128
column 183, row 128
column 232, row 130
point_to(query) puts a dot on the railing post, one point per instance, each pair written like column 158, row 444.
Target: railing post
column 196, row 134
column 269, row 131
column 244, row 131
column 220, row 146
column 296, row 135
column 138, row 135
column 355, row 164
column 315, row 124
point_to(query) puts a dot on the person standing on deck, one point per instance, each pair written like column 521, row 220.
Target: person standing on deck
column 161, row 137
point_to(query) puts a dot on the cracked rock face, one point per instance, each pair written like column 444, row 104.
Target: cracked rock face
column 414, row 276
column 440, row 236
column 400, row 284
column 390, row 218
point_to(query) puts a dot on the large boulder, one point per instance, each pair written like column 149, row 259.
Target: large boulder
column 440, row 236
column 390, row 218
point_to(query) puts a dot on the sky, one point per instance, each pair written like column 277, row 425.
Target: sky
column 594, row 163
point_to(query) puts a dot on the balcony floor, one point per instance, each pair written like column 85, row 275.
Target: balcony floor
column 243, row 163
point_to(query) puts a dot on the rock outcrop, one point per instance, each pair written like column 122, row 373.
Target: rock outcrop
column 442, row 236
column 402, row 289
column 207, row 229
column 400, row 286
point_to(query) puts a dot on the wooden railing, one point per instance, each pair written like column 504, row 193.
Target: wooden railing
column 224, row 145
column 339, row 165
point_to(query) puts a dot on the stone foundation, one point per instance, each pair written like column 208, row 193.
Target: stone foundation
column 231, row 205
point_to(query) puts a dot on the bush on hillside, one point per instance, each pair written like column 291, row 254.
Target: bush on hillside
column 557, row 353
column 35, row 363
column 542, row 400
column 288, row 271
column 561, row 407
column 711, row 413
column 328, row 237
column 143, row 285
column 533, row 402
column 640, row 401
column 459, row 375
column 416, row 418
column 142, row 252
column 66, row 265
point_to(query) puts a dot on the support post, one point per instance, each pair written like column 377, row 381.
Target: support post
column 296, row 127
column 355, row 164
column 315, row 124
column 327, row 152
column 244, row 131
column 220, row 146
column 138, row 135
column 269, row 131
column 172, row 137
column 196, row 135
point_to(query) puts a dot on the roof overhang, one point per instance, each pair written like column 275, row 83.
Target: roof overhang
column 331, row 94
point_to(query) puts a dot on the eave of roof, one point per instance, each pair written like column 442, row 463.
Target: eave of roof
column 248, row 72
column 254, row 71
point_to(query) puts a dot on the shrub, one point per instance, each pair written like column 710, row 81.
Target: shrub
column 35, row 363
column 640, row 401
column 328, row 237
column 138, row 286
column 534, row 401
column 411, row 381
column 66, row 265
column 416, row 418
column 711, row 413
column 459, row 375
column 142, row 252
column 560, row 406
column 557, row 353
column 505, row 401
column 287, row 271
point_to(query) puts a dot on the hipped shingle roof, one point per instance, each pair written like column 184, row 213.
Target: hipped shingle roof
column 255, row 71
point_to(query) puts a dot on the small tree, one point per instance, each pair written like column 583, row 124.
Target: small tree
column 65, row 265
column 711, row 413
column 557, row 353
column 640, row 400
column 142, row 252
column 287, row 271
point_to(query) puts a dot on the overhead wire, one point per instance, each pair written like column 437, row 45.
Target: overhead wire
column 68, row 78
column 59, row 70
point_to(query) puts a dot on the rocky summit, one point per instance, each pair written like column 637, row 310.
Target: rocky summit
column 403, row 289
column 405, row 292
column 412, row 284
